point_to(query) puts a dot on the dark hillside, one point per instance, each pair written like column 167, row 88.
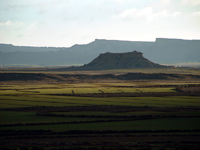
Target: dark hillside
column 118, row 61
column 121, row 61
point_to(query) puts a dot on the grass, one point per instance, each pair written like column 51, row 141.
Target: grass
column 58, row 101
column 161, row 70
column 153, row 124
column 122, row 114
column 78, row 89
column 182, row 123
column 14, row 117
column 27, row 107
column 36, row 95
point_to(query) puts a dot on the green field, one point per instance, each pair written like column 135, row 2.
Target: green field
column 153, row 124
column 37, row 96
column 36, row 108
column 78, row 89
column 59, row 101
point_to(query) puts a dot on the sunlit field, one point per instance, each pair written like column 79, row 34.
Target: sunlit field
column 146, row 113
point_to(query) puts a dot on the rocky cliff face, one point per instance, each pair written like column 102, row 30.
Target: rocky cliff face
column 120, row 61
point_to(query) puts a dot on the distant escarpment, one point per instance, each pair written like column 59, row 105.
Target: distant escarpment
column 127, row 60
column 162, row 51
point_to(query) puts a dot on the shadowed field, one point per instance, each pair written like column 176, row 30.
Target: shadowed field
column 132, row 114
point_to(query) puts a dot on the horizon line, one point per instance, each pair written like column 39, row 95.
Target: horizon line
column 99, row 40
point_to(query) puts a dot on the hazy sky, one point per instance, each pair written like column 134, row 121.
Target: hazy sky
column 69, row 22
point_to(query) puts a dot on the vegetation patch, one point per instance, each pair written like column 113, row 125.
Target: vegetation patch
column 102, row 115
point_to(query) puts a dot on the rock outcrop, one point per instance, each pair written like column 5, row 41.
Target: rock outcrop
column 127, row 60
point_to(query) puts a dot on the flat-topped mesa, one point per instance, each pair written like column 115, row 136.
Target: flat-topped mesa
column 137, row 53
column 127, row 60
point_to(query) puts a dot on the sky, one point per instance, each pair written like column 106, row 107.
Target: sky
column 63, row 23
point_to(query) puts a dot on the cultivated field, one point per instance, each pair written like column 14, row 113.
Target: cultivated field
column 102, row 114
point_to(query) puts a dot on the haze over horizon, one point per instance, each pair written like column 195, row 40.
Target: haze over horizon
column 63, row 23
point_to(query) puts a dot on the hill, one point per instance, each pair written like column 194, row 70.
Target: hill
column 162, row 51
column 118, row 61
